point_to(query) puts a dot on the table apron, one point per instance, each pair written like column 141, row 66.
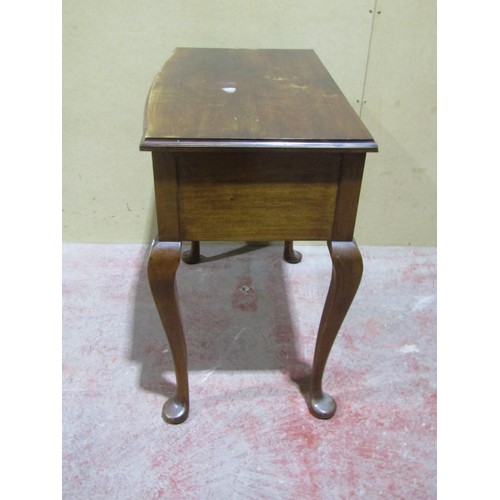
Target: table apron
column 257, row 196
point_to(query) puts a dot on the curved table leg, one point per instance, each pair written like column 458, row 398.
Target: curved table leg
column 193, row 256
column 346, row 276
column 162, row 267
column 291, row 255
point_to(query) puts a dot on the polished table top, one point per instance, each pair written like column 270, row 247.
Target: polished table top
column 250, row 98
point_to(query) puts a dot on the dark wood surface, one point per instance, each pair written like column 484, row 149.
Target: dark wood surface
column 253, row 145
column 249, row 98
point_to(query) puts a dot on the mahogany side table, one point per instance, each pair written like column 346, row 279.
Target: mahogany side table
column 253, row 145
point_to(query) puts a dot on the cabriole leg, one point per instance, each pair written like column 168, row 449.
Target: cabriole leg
column 193, row 256
column 347, row 269
column 162, row 267
column 291, row 255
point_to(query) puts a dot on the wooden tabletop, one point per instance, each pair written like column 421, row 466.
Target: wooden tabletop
column 249, row 98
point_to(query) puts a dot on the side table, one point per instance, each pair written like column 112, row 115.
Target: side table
column 253, row 145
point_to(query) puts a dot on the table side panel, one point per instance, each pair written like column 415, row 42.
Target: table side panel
column 257, row 196
column 165, row 183
column 348, row 196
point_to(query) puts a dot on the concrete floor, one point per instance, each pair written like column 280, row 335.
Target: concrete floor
column 250, row 322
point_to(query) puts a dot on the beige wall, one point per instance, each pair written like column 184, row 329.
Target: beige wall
column 112, row 50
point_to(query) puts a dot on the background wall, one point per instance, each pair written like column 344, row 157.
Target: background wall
column 382, row 53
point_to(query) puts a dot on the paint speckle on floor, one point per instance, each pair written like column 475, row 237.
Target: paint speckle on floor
column 250, row 321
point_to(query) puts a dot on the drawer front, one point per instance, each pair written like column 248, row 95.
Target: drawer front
column 257, row 196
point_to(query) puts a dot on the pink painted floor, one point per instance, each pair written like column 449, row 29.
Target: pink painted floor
column 250, row 322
